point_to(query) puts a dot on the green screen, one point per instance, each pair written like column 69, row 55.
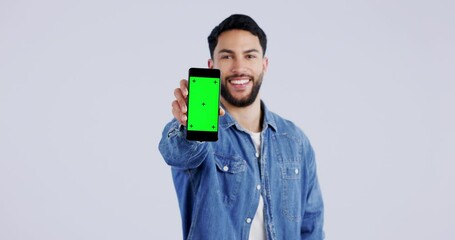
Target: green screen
column 203, row 104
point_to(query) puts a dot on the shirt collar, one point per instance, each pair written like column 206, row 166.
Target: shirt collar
column 228, row 121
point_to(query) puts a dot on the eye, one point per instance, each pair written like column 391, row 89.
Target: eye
column 226, row 57
column 250, row 56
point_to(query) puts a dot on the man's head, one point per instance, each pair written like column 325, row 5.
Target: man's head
column 237, row 22
column 237, row 47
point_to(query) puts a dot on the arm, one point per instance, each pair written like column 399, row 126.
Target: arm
column 176, row 150
column 179, row 152
column 313, row 211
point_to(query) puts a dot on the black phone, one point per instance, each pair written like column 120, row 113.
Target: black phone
column 203, row 104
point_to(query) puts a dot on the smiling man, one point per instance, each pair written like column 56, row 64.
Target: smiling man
column 259, row 180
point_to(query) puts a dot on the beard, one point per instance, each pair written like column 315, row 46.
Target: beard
column 245, row 101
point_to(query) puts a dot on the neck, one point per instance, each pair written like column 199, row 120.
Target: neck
column 249, row 117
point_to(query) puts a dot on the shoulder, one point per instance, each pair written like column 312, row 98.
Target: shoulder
column 286, row 131
column 288, row 127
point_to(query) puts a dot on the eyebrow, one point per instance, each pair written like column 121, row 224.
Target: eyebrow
column 251, row 51
column 231, row 52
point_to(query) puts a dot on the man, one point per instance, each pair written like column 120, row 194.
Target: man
column 258, row 181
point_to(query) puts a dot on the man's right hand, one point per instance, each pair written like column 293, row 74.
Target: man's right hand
column 179, row 107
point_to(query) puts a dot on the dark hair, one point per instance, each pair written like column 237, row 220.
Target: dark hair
column 240, row 22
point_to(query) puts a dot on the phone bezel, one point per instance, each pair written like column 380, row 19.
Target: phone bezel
column 203, row 136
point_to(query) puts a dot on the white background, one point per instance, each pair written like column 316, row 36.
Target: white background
column 86, row 87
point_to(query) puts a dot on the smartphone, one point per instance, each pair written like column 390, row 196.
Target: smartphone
column 203, row 104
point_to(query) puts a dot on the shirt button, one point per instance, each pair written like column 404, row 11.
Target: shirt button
column 257, row 154
column 248, row 220
column 225, row 168
column 258, row 187
column 296, row 171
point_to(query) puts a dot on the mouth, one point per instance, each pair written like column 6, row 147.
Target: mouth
column 240, row 81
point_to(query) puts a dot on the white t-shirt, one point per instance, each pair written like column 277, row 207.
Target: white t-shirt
column 257, row 231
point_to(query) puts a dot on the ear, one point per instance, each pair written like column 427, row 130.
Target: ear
column 265, row 63
column 210, row 63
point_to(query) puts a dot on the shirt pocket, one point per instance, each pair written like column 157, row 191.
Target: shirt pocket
column 230, row 172
column 291, row 190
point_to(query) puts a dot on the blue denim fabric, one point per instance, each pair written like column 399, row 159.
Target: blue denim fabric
column 218, row 183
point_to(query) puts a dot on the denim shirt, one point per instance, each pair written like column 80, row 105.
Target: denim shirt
column 218, row 183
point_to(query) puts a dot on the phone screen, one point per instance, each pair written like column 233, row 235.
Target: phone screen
column 203, row 104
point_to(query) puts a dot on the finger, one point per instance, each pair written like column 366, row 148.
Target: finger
column 178, row 114
column 222, row 112
column 181, row 100
column 176, row 110
column 184, row 87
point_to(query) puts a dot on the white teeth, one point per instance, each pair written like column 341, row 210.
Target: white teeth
column 244, row 81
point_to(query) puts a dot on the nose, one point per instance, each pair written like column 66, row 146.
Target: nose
column 239, row 66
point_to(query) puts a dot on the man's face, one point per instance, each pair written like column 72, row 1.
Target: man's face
column 239, row 56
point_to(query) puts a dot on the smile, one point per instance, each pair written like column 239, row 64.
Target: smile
column 240, row 81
